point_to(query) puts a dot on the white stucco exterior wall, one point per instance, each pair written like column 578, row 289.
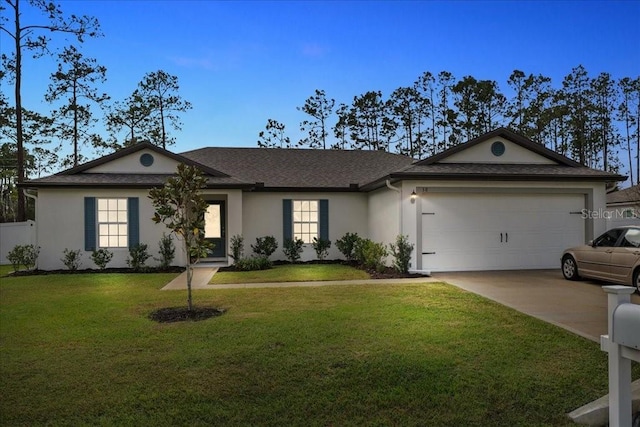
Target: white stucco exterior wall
column 262, row 216
column 513, row 154
column 131, row 164
column 60, row 219
column 384, row 215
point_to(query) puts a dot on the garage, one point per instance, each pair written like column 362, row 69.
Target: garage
column 467, row 231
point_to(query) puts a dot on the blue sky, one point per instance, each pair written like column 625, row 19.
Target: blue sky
column 240, row 63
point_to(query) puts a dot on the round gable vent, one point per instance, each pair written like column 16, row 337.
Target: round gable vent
column 497, row 148
column 146, row 160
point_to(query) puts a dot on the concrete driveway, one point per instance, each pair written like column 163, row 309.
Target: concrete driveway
column 580, row 307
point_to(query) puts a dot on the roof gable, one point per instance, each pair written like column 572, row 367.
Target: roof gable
column 515, row 149
column 142, row 158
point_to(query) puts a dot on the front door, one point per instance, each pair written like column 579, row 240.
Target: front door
column 214, row 228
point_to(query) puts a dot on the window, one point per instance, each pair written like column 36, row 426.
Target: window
column 305, row 220
column 112, row 223
column 631, row 239
column 609, row 238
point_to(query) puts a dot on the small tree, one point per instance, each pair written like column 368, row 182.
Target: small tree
column 181, row 208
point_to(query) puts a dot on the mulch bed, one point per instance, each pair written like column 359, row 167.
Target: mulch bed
column 98, row 271
column 387, row 273
column 183, row 314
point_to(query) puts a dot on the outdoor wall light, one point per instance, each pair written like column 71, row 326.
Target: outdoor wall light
column 414, row 196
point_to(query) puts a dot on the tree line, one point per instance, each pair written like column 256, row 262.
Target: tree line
column 591, row 119
column 33, row 143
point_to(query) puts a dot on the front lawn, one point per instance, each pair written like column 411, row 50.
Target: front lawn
column 291, row 273
column 79, row 350
column 5, row 269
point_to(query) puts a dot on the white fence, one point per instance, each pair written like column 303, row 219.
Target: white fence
column 15, row 233
column 623, row 345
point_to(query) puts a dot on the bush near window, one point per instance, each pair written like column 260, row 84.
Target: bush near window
column 71, row 259
column 138, row 255
column 167, row 251
column 237, row 248
column 346, row 245
column 265, row 246
column 401, row 252
column 26, row 255
column 371, row 254
column 292, row 249
column 101, row 257
column 253, row 263
column 321, row 246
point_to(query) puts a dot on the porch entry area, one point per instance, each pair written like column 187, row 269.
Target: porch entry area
column 215, row 228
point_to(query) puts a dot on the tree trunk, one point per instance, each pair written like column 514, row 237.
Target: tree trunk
column 75, row 125
column 21, row 215
column 189, row 277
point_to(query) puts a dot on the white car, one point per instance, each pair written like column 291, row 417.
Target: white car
column 612, row 257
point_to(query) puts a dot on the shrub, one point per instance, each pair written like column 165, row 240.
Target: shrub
column 401, row 252
column 167, row 251
column 321, row 246
column 71, row 259
column 346, row 245
column 26, row 255
column 138, row 255
column 237, row 248
column 259, row 262
column 265, row 246
column 101, row 257
column 370, row 254
column 292, row 248
column 15, row 256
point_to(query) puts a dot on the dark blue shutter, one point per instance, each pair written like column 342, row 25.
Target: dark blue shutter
column 287, row 219
column 89, row 223
column 133, row 220
column 324, row 219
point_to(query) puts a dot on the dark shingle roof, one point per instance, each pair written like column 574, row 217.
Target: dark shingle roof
column 122, row 180
column 300, row 168
column 328, row 170
column 628, row 195
column 505, row 170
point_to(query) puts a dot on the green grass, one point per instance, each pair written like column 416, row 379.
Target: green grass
column 5, row 269
column 79, row 350
column 291, row 273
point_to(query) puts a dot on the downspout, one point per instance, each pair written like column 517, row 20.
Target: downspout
column 35, row 209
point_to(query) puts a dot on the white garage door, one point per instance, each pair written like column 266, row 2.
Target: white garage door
column 467, row 231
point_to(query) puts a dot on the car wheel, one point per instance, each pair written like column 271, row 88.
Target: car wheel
column 636, row 280
column 570, row 268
